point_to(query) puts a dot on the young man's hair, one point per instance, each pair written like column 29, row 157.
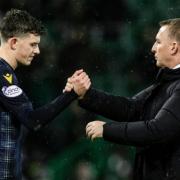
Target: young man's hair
column 174, row 28
column 18, row 22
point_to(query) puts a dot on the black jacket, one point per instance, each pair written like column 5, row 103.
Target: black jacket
column 150, row 121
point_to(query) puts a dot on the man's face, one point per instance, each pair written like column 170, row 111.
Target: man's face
column 162, row 48
column 27, row 47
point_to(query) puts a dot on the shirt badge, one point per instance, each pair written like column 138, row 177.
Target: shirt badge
column 11, row 91
column 8, row 77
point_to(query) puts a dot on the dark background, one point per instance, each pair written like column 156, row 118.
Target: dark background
column 111, row 40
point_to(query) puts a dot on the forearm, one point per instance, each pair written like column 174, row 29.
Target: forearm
column 113, row 107
column 41, row 116
column 142, row 133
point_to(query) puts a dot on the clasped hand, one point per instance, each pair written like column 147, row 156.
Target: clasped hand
column 80, row 83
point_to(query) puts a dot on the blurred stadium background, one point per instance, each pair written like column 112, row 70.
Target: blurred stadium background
column 111, row 40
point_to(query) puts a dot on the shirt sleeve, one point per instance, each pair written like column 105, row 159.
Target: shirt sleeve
column 163, row 128
column 15, row 101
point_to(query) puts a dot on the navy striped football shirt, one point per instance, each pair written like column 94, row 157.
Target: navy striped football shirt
column 17, row 116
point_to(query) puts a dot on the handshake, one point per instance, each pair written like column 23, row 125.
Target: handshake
column 79, row 82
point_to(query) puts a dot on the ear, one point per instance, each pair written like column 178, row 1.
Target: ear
column 13, row 43
column 174, row 48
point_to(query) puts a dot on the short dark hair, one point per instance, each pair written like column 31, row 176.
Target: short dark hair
column 174, row 27
column 17, row 22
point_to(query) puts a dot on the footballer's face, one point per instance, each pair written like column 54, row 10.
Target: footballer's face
column 27, row 47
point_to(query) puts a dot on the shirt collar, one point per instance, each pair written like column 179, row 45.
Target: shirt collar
column 177, row 66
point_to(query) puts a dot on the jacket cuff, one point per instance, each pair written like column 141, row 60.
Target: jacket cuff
column 86, row 97
column 115, row 132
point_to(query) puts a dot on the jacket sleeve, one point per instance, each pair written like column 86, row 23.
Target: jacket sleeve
column 164, row 127
column 110, row 106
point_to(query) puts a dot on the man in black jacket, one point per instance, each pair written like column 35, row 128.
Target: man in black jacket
column 151, row 119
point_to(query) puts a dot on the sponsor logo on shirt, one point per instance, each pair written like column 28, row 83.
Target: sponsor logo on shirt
column 12, row 91
column 8, row 77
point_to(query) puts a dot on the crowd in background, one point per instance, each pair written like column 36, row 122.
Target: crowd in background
column 111, row 41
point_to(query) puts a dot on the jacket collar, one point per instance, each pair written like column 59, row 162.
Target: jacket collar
column 166, row 74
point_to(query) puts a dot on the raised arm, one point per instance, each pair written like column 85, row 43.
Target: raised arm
column 15, row 101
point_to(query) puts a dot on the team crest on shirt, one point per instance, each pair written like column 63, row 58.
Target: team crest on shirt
column 12, row 91
column 8, row 77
